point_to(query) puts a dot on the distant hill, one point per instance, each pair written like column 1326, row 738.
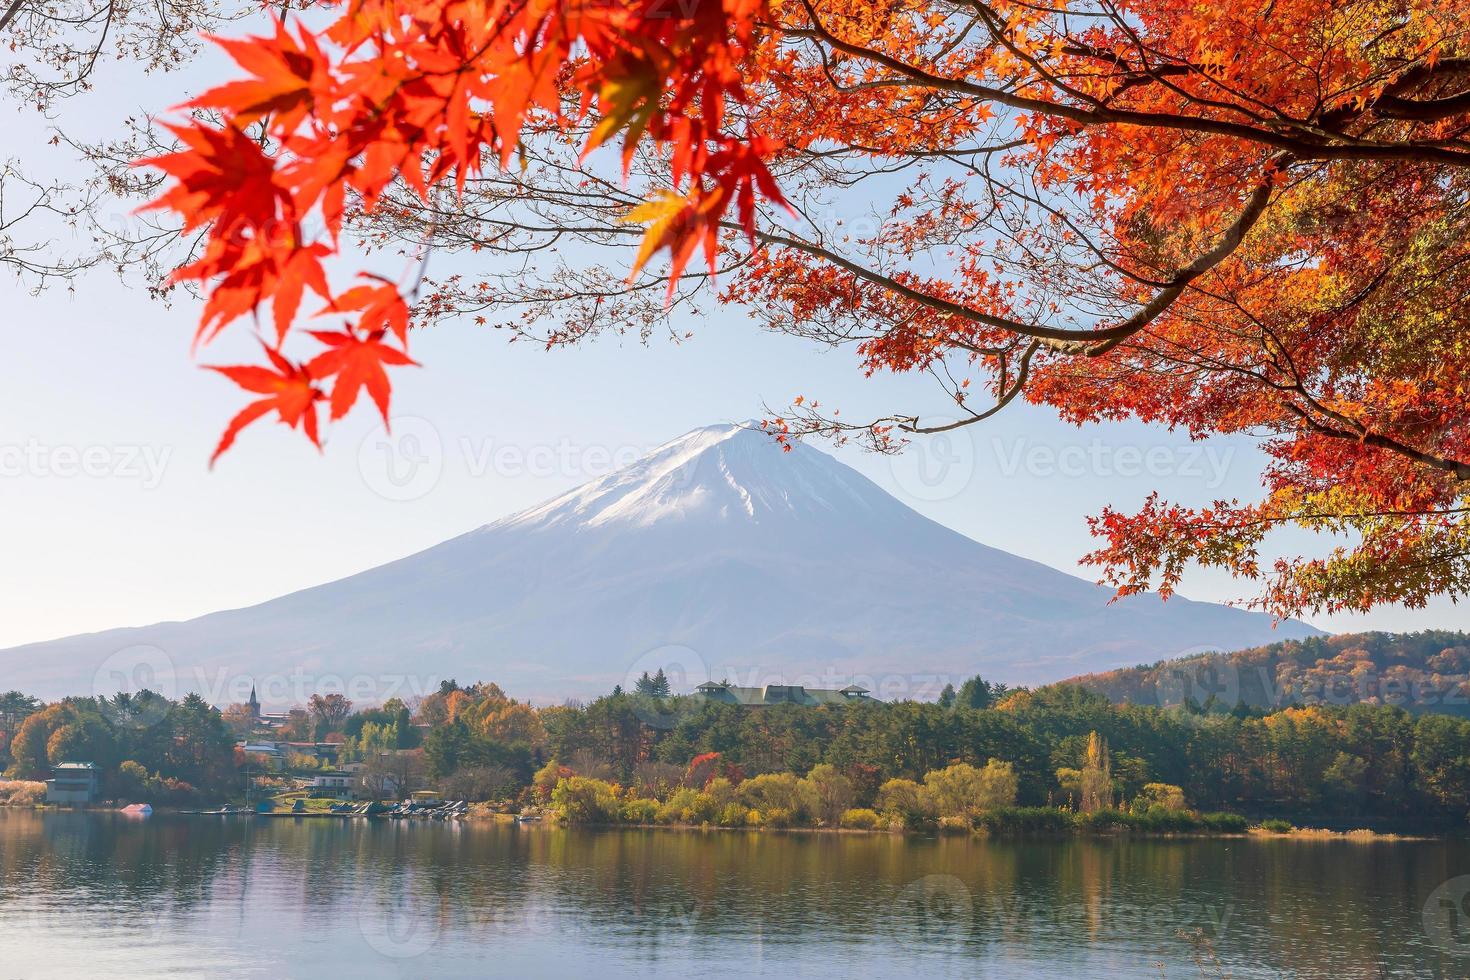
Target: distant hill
column 1421, row 672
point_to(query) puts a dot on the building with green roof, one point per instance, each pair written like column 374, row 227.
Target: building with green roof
column 755, row 697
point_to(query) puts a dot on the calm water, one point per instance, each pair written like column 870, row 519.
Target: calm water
column 98, row 895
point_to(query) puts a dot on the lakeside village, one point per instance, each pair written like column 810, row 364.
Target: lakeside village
column 983, row 759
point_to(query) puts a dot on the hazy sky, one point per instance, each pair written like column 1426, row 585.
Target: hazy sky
column 109, row 515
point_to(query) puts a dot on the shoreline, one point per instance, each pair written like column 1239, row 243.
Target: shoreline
column 1362, row 835
column 1302, row 834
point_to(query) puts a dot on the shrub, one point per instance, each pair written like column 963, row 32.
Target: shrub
column 780, row 791
column 906, row 803
column 1026, row 820
column 688, row 805
column 732, row 815
column 954, row 789
column 1104, row 819
column 22, row 792
column 546, row 778
column 640, row 811
column 961, row 790
column 860, row 819
column 1277, row 826
column 954, row 825
column 831, row 791
column 721, row 792
column 1223, row 823
column 581, row 799
column 1158, row 820
column 1159, row 796
column 777, row 816
column 998, row 785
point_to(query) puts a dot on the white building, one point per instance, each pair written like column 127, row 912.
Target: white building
column 332, row 783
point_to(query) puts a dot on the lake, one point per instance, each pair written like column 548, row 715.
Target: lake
column 96, row 894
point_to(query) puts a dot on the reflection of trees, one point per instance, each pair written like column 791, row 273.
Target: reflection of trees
column 1286, row 907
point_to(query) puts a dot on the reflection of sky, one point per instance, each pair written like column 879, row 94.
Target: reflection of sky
column 86, row 895
column 104, row 366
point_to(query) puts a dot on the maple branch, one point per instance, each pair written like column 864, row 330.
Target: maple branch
column 1089, row 343
column 1393, row 105
column 1101, row 114
column 1460, row 471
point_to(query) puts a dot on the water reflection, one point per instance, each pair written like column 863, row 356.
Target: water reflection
column 82, row 894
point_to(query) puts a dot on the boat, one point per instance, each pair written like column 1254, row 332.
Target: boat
column 137, row 810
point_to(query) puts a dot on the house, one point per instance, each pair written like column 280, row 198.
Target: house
column 72, row 782
column 752, row 697
column 332, row 783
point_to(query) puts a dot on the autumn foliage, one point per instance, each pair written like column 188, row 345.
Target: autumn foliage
column 1225, row 218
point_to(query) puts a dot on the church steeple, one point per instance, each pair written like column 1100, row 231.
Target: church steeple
column 254, row 704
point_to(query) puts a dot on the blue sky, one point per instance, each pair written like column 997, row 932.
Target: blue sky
column 111, row 516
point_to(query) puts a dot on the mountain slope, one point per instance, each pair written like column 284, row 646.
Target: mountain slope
column 766, row 565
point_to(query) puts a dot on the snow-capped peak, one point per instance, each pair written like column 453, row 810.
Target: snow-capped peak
column 728, row 471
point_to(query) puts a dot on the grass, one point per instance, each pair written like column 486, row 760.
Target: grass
column 1030, row 820
column 1362, row 835
column 286, row 801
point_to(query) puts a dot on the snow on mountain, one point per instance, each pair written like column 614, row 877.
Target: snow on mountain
column 716, row 555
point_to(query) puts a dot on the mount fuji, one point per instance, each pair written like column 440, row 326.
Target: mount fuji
column 716, row 556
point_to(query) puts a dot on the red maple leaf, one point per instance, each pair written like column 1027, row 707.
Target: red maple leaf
column 357, row 363
column 284, row 76
column 383, row 307
column 288, row 391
